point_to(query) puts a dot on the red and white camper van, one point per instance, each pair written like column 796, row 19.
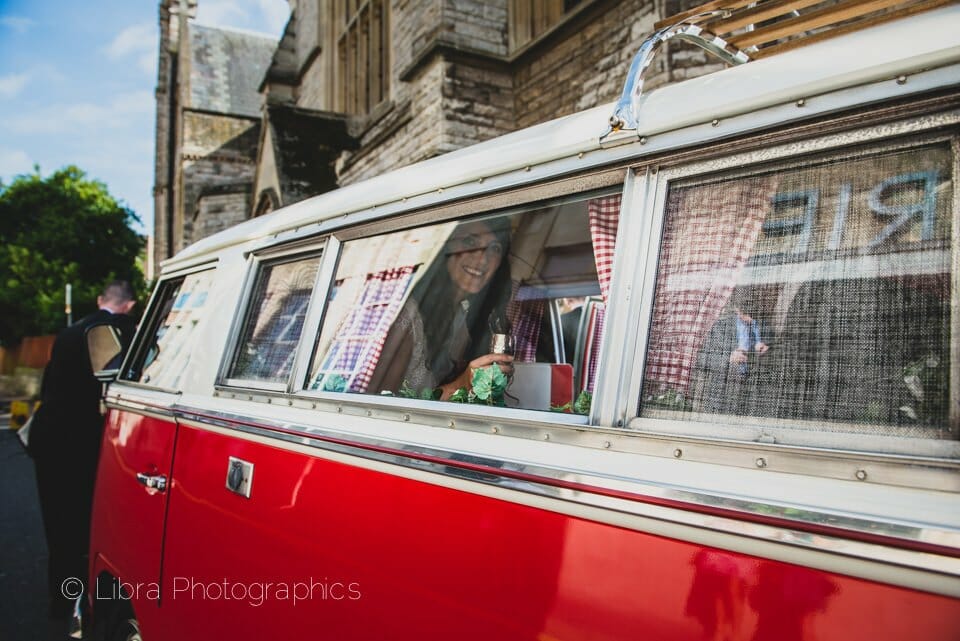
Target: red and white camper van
column 732, row 410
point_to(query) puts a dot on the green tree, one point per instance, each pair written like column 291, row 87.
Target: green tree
column 65, row 228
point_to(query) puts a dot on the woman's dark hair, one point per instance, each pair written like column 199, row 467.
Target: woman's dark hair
column 435, row 295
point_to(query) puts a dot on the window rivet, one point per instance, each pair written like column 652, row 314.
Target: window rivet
column 580, row 155
column 677, row 453
column 480, row 179
column 715, row 123
column 404, row 199
column 606, row 445
column 643, row 140
column 901, row 80
column 546, row 437
column 440, row 190
column 369, row 412
column 269, row 400
column 290, row 403
column 249, row 398
column 527, row 168
column 453, row 424
column 406, row 417
column 801, row 102
column 313, row 406
column 861, row 475
column 216, row 393
column 495, row 430
column 761, row 462
column 339, row 410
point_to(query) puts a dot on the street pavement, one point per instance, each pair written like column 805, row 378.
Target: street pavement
column 23, row 551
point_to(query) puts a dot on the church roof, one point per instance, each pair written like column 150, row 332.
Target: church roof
column 226, row 68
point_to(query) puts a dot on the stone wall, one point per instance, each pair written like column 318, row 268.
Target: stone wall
column 478, row 26
column 453, row 82
column 583, row 63
column 217, row 211
column 218, row 152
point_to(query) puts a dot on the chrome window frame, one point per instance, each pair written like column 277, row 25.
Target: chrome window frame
column 507, row 203
column 866, row 140
column 148, row 319
column 257, row 260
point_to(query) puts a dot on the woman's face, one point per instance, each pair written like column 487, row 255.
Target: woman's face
column 473, row 255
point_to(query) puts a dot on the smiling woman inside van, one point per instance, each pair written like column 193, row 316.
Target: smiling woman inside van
column 415, row 312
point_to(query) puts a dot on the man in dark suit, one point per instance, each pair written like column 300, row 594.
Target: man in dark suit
column 65, row 441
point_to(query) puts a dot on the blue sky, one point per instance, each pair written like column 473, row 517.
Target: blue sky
column 77, row 83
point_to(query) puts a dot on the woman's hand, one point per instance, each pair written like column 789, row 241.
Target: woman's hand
column 465, row 378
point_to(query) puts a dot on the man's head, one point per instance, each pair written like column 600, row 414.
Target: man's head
column 118, row 297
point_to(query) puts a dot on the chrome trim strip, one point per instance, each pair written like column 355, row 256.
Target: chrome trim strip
column 920, row 570
column 691, row 507
column 141, row 408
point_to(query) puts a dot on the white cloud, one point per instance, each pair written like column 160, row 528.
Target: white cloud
column 14, row 161
column 17, row 23
column 261, row 16
column 275, row 14
column 223, row 14
column 148, row 63
column 12, row 84
column 64, row 118
column 133, row 39
column 137, row 42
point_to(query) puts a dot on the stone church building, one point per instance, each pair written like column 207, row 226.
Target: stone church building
column 355, row 88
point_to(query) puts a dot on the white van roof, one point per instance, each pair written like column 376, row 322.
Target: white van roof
column 919, row 43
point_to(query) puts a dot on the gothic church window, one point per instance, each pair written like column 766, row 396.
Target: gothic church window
column 531, row 19
column 362, row 70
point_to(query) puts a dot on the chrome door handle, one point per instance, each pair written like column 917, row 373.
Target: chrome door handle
column 157, row 482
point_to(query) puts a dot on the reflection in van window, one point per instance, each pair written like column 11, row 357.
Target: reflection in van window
column 274, row 321
column 180, row 311
column 816, row 294
column 505, row 310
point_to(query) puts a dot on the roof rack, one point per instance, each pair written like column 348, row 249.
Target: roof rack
column 737, row 31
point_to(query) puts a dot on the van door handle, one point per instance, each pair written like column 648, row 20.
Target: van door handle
column 157, row 482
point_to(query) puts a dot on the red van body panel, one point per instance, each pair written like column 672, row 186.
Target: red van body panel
column 354, row 553
column 126, row 538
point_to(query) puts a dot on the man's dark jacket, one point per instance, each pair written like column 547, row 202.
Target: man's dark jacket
column 68, row 423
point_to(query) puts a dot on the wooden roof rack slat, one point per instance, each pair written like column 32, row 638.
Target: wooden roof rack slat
column 767, row 11
column 813, row 20
column 738, row 31
column 919, row 7
column 768, row 26
column 709, row 6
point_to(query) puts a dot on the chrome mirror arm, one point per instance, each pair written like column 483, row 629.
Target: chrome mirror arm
column 626, row 113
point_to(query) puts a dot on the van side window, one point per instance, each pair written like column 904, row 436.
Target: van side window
column 274, row 320
column 816, row 297
column 170, row 343
column 410, row 311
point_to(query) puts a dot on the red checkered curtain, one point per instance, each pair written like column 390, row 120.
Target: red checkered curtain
column 525, row 317
column 596, row 316
column 709, row 233
column 355, row 351
column 604, row 214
